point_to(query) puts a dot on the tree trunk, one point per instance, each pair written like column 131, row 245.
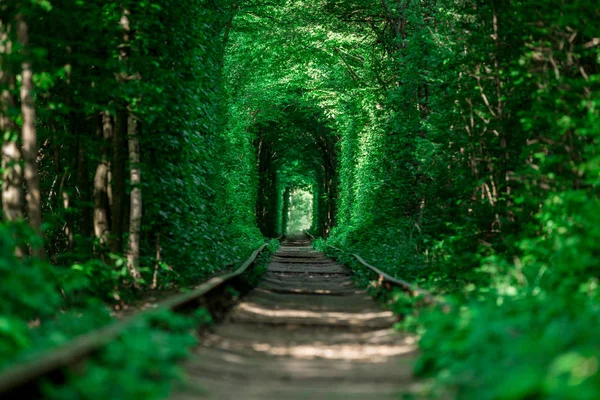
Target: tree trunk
column 29, row 136
column 101, row 182
column 84, row 189
column 12, row 178
column 285, row 217
column 135, row 215
column 119, row 142
column 154, row 285
column 12, row 170
column 118, row 167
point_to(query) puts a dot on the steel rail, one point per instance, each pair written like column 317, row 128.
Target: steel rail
column 309, row 235
column 413, row 290
column 21, row 374
column 408, row 287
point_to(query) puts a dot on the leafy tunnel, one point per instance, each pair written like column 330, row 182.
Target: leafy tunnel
column 295, row 152
column 151, row 144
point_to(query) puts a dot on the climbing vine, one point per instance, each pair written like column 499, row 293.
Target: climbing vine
column 450, row 142
column 481, row 183
column 112, row 120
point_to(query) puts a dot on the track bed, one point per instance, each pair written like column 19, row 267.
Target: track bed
column 304, row 333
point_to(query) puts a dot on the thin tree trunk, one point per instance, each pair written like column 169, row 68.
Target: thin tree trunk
column 119, row 142
column 101, row 183
column 84, row 191
column 135, row 216
column 118, row 166
column 154, row 285
column 66, row 199
column 12, row 179
column 12, row 175
column 29, row 136
column 69, row 189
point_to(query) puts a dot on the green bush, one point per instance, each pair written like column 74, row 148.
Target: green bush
column 520, row 346
column 142, row 364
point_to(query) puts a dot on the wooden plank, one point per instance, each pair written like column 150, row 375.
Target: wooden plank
column 20, row 374
column 305, row 268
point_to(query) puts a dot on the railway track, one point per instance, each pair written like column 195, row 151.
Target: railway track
column 305, row 332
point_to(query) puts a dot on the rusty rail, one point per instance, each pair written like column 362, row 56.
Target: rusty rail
column 413, row 290
column 27, row 372
column 309, row 235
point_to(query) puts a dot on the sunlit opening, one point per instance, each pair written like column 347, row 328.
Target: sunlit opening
column 300, row 210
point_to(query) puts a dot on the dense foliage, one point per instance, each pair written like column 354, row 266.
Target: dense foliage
column 451, row 142
column 475, row 171
column 112, row 116
column 466, row 156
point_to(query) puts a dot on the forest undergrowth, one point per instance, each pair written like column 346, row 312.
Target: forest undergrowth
column 473, row 173
column 452, row 143
column 112, row 117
